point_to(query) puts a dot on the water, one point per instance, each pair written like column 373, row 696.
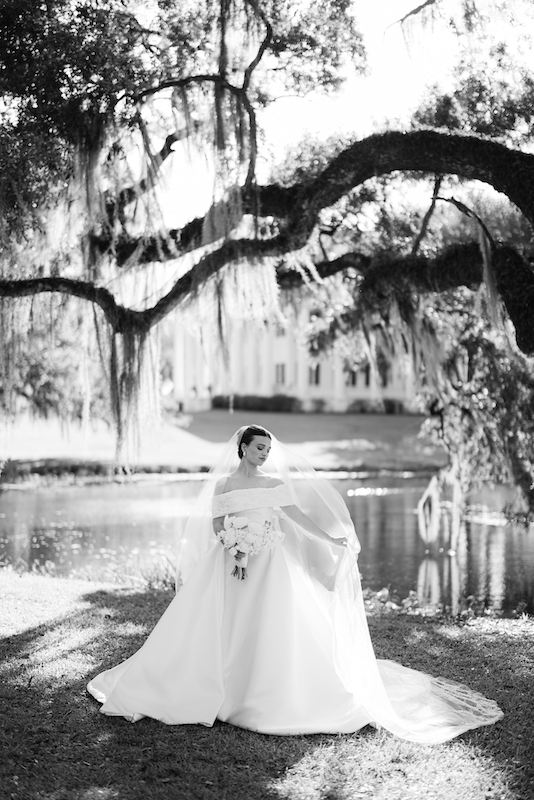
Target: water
column 120, row 531
column 493, row 561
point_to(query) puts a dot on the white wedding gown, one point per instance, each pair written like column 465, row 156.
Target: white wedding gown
column 265, row 654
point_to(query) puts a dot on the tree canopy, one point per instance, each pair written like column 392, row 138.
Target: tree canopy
column 99, row 98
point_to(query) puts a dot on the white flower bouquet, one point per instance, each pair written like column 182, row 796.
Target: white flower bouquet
column 243, row 538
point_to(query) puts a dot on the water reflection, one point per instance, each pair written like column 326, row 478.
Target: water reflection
column 479, row 562
column 120, row 530
column 106, row 530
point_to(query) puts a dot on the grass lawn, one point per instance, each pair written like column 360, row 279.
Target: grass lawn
column 335, row 441
column 218, row 425
column 328, row 441
column 55, row 745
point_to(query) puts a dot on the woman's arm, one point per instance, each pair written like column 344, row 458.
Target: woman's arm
column 306, row 522
column 218, row 525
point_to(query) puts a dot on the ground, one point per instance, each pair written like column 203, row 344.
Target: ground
column 56, row 634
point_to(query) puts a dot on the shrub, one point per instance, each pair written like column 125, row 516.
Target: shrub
column 366, row 407
column 318, row 405
column 255, row 402
column 393, row 406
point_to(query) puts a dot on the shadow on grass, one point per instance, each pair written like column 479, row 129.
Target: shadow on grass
column 492, row 656
column 58, row 745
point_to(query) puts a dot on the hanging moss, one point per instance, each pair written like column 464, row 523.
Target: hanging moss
column 515, row 283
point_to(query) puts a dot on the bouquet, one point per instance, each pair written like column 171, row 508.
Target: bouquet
column 243, row 538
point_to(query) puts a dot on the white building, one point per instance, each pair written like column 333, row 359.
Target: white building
column 271, row 361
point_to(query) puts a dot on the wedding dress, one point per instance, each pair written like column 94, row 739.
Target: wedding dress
column 286, row 651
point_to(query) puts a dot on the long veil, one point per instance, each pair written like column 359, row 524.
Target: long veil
column 410, row 704
column 313, row 494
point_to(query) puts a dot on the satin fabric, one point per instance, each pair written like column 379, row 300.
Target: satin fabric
column 278, row 653
column 256, row 653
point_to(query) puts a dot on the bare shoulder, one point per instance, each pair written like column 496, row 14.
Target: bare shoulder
column 220, row 486
column 271, row 483
column 231, row 483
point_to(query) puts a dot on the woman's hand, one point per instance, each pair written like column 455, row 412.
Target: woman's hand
column 340, row 541
column 294, row 513
column 240, row 572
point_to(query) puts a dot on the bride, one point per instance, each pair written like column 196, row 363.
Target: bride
column 268, row 630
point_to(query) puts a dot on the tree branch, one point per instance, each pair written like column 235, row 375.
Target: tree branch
column 263, row 46
column 118, row 316
column 457, row 265
column 428, row 216
column 122, row 318
column 471, row 214
column 415, row 11
column 383, row 281
column 209, row 265
column 220, row 81
column 115, row 205
column 430, row 152
column 297, row 207
column 275, row 201
column 180, row 83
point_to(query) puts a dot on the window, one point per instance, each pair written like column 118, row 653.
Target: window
column 314, row 375
column 280, row 374
column 280, row 330
column 383, row 369
column 351, row 378
column 367, row 373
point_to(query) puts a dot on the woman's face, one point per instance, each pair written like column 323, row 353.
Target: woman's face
column 257, row 451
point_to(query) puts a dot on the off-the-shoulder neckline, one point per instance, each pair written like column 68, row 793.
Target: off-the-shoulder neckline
column 250, row 489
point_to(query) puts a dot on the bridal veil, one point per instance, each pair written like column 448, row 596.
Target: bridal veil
column 410, row 704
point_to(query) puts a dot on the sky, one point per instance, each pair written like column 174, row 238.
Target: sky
column 402, row 63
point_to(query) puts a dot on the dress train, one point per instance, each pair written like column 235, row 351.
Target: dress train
column 278, row 654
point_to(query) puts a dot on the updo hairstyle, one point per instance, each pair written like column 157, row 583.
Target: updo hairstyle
column 248, row 435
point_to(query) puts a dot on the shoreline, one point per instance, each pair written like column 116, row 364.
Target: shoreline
column 37, row 452
column 27, row 475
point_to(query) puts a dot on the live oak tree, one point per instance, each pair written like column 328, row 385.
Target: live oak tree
column 401, row 298
column 99, row 98
column 473, row 382
column 95, row 95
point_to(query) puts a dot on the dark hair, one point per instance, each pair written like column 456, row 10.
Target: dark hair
column 248, row 435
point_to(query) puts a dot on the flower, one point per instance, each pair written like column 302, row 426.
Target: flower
column 237, row 523
column 242, row 537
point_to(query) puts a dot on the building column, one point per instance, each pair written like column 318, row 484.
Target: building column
column 339, row 400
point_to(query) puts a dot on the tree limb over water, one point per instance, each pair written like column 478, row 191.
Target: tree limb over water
column 296, row 210
column 297, row 207
column 383, row 280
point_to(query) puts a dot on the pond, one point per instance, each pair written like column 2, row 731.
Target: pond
column 124, row 531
